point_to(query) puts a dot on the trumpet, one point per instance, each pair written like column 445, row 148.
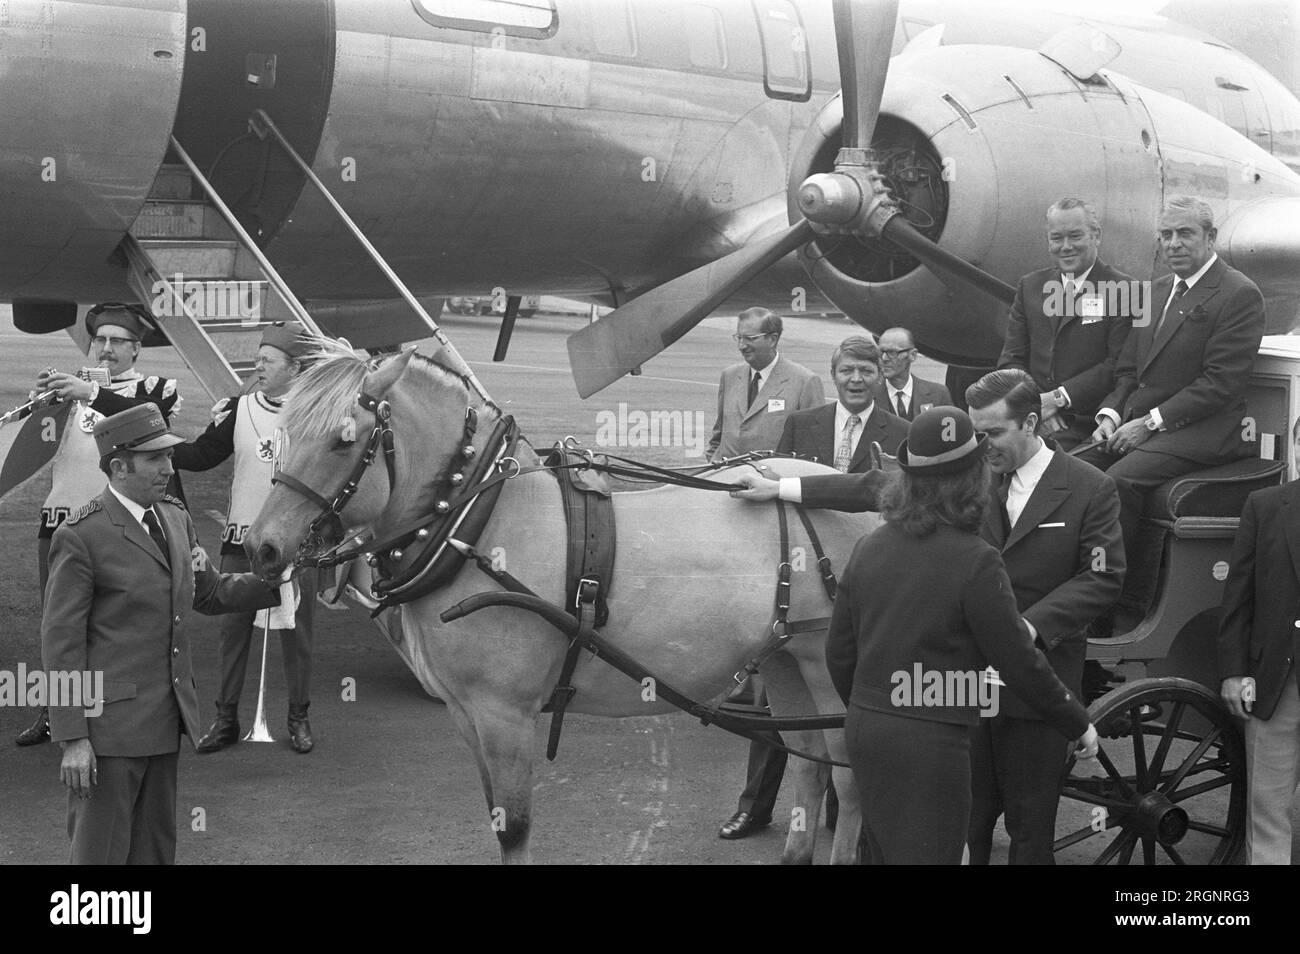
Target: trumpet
column 260, row 732
column 98, row 376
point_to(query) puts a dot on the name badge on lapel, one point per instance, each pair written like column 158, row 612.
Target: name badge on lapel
column 775, row 405
column 924, row 408
column 1091, row 309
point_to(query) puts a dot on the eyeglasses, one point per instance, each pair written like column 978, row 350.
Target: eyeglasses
column 750, row 338
column 894, row 352
column 100, row 340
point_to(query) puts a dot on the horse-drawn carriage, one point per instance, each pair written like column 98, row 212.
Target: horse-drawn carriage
column 1173, row 769
column 1174, row 783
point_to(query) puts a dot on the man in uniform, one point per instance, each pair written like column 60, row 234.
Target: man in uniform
column 116, row 331
column 124, row 568
column 755, row 396
column 1068, row 323
column 245, row 427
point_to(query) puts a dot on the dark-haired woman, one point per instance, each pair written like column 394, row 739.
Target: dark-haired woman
column 923, row 607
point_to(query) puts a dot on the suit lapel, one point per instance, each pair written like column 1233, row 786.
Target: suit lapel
column 1291, row 523
column 773, row 386
column 873, row 429
column 1199, row 294
column 993, row 530
column 1052, row 490
column 132, row 529
column 823, row 435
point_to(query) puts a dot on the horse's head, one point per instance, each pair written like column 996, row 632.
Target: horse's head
column 337, row 463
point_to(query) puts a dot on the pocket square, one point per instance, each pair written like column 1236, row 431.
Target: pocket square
column 1045, row 526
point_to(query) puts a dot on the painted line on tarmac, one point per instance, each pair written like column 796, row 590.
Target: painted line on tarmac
column 638, row 844
column 643, row 377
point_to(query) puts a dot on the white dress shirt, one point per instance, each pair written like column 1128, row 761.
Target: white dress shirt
column 893, row 392
column 842, row 415
column 135, row 510
column 763, row 375
column 1025, row 479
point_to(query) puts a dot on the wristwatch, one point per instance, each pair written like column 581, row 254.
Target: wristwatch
column 1059, row 398
column 1151, row 424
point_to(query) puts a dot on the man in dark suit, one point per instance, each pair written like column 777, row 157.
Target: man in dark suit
column 755, row 396
column 123, row 569
column 1068, row 323
column 900, row 391
column 1256, row 662
column 839, row 435
column 1063, row 551
column 1055, row 521
column 1180, row 392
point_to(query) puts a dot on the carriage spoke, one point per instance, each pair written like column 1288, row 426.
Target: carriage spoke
column 1083, row 834
column 1206, row 828
column 1173, row 854
column 1126, row 856
column 1139, row 749
column 1148, row 851
column 1207, row 786
column 1177, row 778
column 1123, row 842
column 1110, row 803
column 1114, row 773
column 1167, row 738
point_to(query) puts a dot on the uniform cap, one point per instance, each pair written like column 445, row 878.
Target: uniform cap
column 142, row 428
column 941, row 440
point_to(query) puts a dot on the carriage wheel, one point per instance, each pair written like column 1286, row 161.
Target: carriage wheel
column 1168, row 785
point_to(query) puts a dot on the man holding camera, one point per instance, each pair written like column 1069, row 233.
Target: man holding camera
column 113, row 385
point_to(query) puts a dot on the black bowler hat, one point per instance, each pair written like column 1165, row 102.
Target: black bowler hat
column 941, row 440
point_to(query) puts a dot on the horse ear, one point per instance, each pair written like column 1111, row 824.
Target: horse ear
column 385, row 376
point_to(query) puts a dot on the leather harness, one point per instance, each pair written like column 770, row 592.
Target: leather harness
column 420, row 557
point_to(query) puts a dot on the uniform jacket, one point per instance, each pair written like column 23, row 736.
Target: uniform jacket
column 950, row 610
column 1196, row 369
column 1074, row 351
column 114, row 606
column 925, row 395
column 1051, row 554
column 1261, row 600
column 811, row 433
column 740, row 428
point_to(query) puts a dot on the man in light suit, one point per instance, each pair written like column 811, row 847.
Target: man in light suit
column 902, row 393
column 755, row 396
column 1256, row 662
column 839, row 435
column 1055, row 520
column 123, row 570
column 1179, row 402
column 1068, row 323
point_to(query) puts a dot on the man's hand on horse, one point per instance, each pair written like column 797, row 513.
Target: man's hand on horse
column 755, row 487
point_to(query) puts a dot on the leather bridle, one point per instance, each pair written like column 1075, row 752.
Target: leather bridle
column 381, row 436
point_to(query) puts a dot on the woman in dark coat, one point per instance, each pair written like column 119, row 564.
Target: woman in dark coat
column 923, row 607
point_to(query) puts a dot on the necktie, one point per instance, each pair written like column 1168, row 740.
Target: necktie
column 1071, row 290
column 1004, row 488
column 753, row 388
column 844, row 456
column 155, row 531
column 902, row 406
column 1179, row 291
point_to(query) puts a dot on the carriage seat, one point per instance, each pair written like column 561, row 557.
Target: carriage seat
column 1214, row 492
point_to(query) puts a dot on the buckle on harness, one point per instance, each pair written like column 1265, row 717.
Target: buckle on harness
column 588, row 590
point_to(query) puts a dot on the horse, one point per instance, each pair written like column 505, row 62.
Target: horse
column 692, row 594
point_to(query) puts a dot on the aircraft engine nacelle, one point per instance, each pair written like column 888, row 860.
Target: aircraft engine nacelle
column 975, row 143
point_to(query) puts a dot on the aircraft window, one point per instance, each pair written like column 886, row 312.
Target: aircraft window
column 533, row 18
column 785, row 50
column 704, row 37
column 611, row 28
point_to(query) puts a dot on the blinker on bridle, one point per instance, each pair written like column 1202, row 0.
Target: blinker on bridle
column 381, row 435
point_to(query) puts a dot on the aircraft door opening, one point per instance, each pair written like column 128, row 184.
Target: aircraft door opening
column 786, row 74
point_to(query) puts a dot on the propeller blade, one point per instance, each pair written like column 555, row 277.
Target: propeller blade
column 944, row 264
column 864, row 35
column 628, row 337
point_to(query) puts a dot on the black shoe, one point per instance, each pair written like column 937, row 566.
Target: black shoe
column 224, row 731
column 299, row 730
column 741, row 825
column 37, row 732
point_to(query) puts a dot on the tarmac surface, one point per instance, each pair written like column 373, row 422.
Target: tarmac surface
column 390, row 781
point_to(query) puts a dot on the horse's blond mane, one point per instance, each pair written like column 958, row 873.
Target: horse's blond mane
column 324, row 395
